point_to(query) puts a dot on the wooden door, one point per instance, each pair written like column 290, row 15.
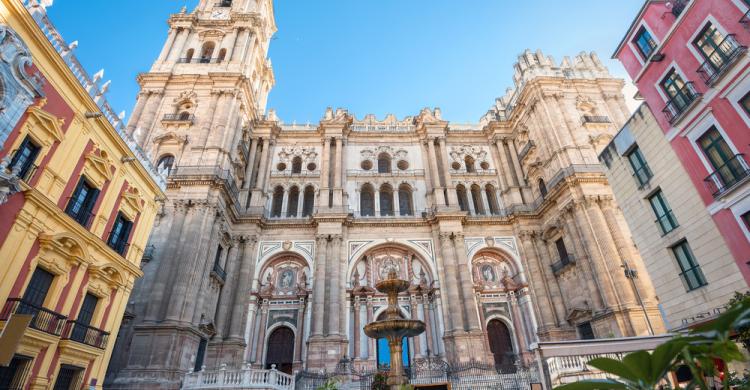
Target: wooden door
column 500, row 343
column 280, row 349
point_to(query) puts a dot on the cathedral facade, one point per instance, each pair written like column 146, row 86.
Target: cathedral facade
column 273, row 236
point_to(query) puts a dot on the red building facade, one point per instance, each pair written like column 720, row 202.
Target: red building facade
column 689, row 61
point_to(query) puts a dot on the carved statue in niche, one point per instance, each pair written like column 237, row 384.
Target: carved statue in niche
column 268, row 287
column 286, row 279
column 493, row 273
column 488, row 273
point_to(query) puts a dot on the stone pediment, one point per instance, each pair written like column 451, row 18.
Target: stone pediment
column 171, row 136
column 578, row 314
column 98, row 167
column 48, row 123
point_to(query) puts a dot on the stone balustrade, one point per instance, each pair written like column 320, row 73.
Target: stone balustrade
column 244, row 378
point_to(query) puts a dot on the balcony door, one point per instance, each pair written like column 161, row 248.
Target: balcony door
column 85, row 315
column 710, row 44
column 721, row 157
column 38, row 287
column 674, row 87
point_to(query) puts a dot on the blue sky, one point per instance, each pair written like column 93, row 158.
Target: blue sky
column 370, row 56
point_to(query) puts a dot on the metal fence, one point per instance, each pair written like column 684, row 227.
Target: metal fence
column 460, row 375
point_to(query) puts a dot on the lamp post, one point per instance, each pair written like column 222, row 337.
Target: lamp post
column 631, row 274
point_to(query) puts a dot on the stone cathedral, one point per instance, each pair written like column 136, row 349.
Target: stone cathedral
column 273, row 235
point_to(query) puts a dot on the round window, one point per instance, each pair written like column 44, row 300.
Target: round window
column 366, row 165
column 281, row 167
column 311, row 166
column 456, row 165
column 402, row 165
column 485, row 165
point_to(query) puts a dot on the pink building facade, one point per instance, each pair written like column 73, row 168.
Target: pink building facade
column 689, row 61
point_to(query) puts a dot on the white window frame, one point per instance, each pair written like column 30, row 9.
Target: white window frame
column 657, row 85
column 741, row 5
column 634, row 48
column 700, row 128
column 693, row 50
column 735, row 94
column 738, row 209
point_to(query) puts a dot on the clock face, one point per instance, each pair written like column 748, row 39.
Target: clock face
column 220, row 14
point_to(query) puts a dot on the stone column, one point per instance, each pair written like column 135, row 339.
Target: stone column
column 325, row 167
column 168, row 45
column 428, row 181
column 334, row 304
column 371, row 350
column 318, row 303
column 598, row 263
column 505, row 175
column 454, row 318
column 612, row 258
column 516, row 164
column 147, row 119
column 224, row 302
column 208, row 119
column 395, row 202
column 338, row 192
column 428, row 324
column 376, row 193
column 547, row 258
column 357, row 326
column 231, row 43
column 285, row 203
column 469, row 299
column 242, row 291
column 435, row 171
column 452, row 197
column 537, row 279
column 250, row 163
column 300, row 331
column 261, row 345
column 179, row 44
column 415, row 316
column 143, row 98
column 518, row 324
column 485, row 201
column 584, row 259
column 257, row 199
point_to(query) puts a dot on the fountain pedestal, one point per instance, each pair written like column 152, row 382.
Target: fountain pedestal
column 394, row 328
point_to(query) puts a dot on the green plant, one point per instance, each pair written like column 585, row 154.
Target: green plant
column 330, row 384
column 698, row 350
column 743, row 333
column 739, row 382
column 379, row 382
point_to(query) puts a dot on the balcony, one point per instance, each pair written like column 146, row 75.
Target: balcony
column 219, row 273
column 44, row 320
column 667, row 222
column 678, row 6
column 85, row 334
column 721, row 59
column 726, row 177
column 374, row 172
column 182, row 117
column 198, row 60
column 681, row 102
column 200, row 173
column 564, row 262
column 595, row 119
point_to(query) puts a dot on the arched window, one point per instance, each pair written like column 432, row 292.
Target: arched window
column 542, row 188
column 384, row 163
column 189, row 55
column 278, row 202
column 184, row 116
column 297, row 164
column 386, row 200
column 222, row 54
column 367, row 201
column 489, row 189
column 469, row 161
column 293, row 202
column 165, row 164
column 463, row 201
column 308, row 202
column 476, row 198
column 207, row 51
column 405, row 206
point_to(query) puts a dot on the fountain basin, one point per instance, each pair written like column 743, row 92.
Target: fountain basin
column 396, row 285
column 397, row 328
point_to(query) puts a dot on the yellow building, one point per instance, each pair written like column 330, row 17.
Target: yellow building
column 77, row 205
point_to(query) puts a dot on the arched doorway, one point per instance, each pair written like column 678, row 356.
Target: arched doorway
column 500, row 342
column 280, row 350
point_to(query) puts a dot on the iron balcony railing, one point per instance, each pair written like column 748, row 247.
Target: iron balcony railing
column 44, row 320
column 219, row 272
column 678, row 6
column 85, row 334
column 120, row 247
column 198, row 60
column 179, row 118
column 562, row 263
column 667, row 222
column 745, row 19
column 721, row 59
column 643, row 175
column 83, row 217
column 595, row 119
column 724, row 178
column 680, row 102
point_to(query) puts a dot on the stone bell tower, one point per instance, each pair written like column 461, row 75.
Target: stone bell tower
column 193, row 116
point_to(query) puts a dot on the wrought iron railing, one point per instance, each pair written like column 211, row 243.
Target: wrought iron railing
column 595, row 119
column 680, row 102
column 564, row 261
column 85, row 334
column 44, row 320
column 83, row 217
column 720, row 59
column 667, row 222
column 179, row 118
column 678, row 6
column 198, row 60
column 733, row 172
